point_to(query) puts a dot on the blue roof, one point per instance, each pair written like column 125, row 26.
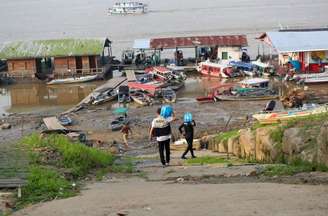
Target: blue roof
column 298, row 41
column 141, row 44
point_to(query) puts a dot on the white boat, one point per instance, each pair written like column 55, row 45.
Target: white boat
column 313, row 80
column 128, row 8
column 215, row 69
column 73, row 80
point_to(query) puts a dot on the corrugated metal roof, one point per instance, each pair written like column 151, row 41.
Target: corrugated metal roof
column 52, row 48
column 188, row 42
column 285, row 42
column 141, row 44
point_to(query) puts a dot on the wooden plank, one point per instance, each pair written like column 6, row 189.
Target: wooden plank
column 131, row 76
column 53, row 123
column 12, row 183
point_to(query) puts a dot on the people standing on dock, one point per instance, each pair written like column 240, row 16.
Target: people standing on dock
column 187, row 130
column 126, row 130
column 161, row 129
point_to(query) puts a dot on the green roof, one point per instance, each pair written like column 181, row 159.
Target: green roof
column 51, row 48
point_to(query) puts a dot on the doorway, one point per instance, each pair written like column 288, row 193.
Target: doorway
column 78, row 62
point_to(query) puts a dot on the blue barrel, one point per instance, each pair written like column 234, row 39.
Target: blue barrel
column 166, row 111
column 187, row 118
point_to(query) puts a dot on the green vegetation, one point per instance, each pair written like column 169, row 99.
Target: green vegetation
column 56, row 163
column 212, row 160
column 294, row 167
column 77, row 157
column 224, row 136
column 52, row 48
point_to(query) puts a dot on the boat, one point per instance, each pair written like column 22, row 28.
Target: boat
column 314, row 80
column 275, row 117
column 104, row 97
column 246, row 68
column 141, row 98
column 300, row 76
column 246, row 98
column 215, row 69
column 206, row 99
column 73, row 80
column 124, row 94
column 265, row 68
column 169, row 95
column 128, row 8
column 65, row 120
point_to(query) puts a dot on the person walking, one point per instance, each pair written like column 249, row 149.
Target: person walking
column 187, row 130
column 161, row 129
column 126, row 130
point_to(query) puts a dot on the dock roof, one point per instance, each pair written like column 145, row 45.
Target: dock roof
column 296, row 41
column 52, row 48
column 193, row 41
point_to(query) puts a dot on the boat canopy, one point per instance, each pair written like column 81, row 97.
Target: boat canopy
column 151, row 88
column 120, row 111
column 243, row 65
column 260, row 64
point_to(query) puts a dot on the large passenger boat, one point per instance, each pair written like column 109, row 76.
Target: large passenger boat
column 128, row 8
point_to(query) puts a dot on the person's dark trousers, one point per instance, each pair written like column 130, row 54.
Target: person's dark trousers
column 189, row 148
column 161, row 146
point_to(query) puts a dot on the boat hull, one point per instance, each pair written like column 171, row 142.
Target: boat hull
column 245, row 98
column 72, row 80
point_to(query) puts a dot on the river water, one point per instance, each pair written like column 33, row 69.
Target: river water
column 45, row 19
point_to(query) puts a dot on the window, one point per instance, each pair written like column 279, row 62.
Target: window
column 224, row 55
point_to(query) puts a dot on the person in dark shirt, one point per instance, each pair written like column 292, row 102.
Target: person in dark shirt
column 187, row 130
column 126, row 130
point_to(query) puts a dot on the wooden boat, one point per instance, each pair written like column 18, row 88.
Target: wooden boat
column 215, row 69
column 245, row 98
column 206, row 99
column 73, row 80
column 314, row 80
column 169, row 95
column 274, row 117
column 104, row 97
column 141, row 98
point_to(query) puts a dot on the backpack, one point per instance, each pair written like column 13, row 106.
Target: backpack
column 187, row 118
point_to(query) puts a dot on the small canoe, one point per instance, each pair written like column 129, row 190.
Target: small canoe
column 209, row 99
column 73, row 80
column 245, row 98
column 275, row 117
column 141, row 99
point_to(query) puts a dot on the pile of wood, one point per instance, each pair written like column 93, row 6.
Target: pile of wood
column 294, row 98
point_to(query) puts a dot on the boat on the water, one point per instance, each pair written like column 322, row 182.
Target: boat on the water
column 274, row 117
column 128, row 8
column 206, row 99
column 215, row 69
column 73, row 80
column 246, row 98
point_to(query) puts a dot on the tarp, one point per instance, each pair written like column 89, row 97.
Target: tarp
column 120, row 110
column 243, row 65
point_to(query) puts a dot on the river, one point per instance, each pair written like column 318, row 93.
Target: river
column 45, row 19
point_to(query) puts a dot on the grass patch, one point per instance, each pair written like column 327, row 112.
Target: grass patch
column 211, row 160
column 56, row 162
column 45, row 184
column 292, row 168
column 75, row 156
column 225, row 136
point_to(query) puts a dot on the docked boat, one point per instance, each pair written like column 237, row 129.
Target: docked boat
column 141, row 98
column 215, row 69
column 268, row 96
column 73, row 80
column 104, row 97
column 314, row 80
column 246, row 68
column 206, row 99
column 128, row 8
column 169, row 95
column 275, row 117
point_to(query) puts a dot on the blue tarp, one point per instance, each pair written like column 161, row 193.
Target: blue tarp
column 242, row 65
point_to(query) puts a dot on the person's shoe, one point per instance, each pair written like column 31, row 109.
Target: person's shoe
column 194, row 156
column 164, row 166
column 184, row 158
